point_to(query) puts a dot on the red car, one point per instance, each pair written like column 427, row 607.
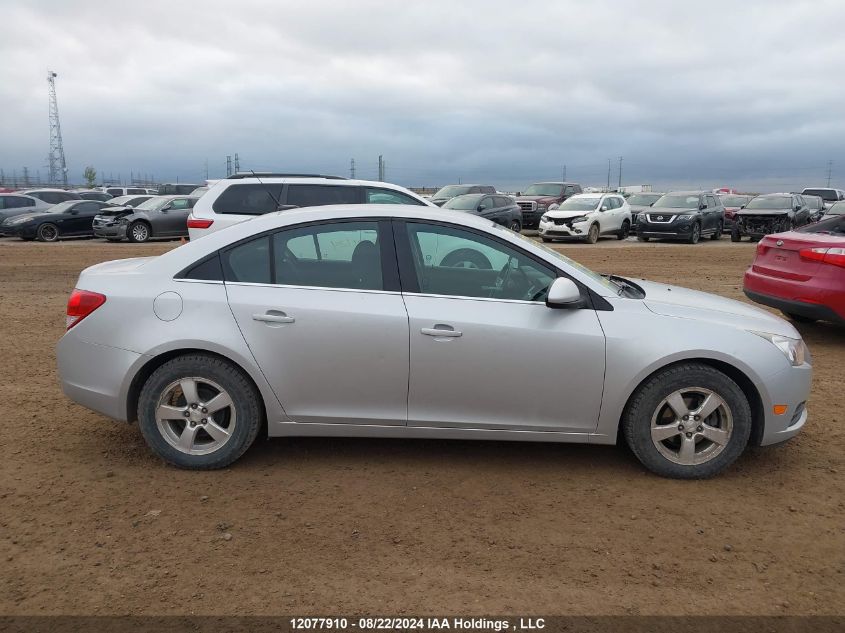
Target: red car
column 802, row 273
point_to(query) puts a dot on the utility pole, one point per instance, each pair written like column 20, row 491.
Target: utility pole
column 56, row 158
column 829, row 171
column 26, row 177
column 352, row 168
column 228, row 166
column 608, row 175
column 564, row 173
column 620, row 174
column 380, row 168
column 237, row 163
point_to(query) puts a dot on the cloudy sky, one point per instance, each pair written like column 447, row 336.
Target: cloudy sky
column 748, row 94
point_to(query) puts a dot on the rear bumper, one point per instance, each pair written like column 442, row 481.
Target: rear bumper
column 816, row 311
column 95, row 375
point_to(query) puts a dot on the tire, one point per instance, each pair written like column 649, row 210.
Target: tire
column 547, row 239
column 695, row 234
column 48, row 232
column 209, row 375
column 466, row 258
column 648, row 412
column 735, row 236
column 643, row 238
column 139, row 232
column 718, row 234
column 798, row 318
column 593, row 234
column 625, row 231
column 113, row 239
column 516, row 227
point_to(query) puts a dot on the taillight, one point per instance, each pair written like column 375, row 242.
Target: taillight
column 835, row 256
column 196, row 223
column 81, row 304
column 761, row 248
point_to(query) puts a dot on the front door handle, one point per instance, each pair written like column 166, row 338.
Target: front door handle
column 273, row 317
column 441, row 330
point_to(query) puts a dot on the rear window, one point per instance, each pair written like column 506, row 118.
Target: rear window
column 828, row 195
column 318, row 195
column 248, row 199
column 136, row 191
column 116, row 192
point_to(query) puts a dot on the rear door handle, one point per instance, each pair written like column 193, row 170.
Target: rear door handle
column 273, row 317
column 441, row 330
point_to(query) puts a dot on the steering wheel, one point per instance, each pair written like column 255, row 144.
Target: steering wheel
column 504, row 276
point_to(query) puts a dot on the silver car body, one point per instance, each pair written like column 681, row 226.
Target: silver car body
column 359, row 363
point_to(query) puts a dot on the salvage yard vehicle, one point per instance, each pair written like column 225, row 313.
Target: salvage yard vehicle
column 444, row 194
column 836, row 209
column 52, row 196
column 94, row 194
column 243, row 196
column 176, row 189
column 73, row 218
column 830, row 196
column 802, row 273
column 732, row 203
column 537, row 199
column 586, row 216
column 351, row 320
column 770, row 213
column 640, row 202
column 118, row 191
column 500, row 209
column 683, row 215
column 815, row 207
column 160, row 216
column 12, row 204
column 129, row 201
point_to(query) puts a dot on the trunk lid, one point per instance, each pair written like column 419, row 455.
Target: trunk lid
column 779, row 255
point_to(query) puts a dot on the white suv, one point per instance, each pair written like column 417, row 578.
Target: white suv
column 587, row 216
column 244, row 196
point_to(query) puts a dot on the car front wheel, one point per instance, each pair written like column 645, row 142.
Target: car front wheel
column 689, row 421
column 199, row 412
column 48, row 232
column 138, row 232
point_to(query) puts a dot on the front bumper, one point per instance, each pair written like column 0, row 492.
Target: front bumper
column 674, row 230
column 110, row 230
column 531, row 217
column 20, row 230
column 792, row 388
column 552, row 229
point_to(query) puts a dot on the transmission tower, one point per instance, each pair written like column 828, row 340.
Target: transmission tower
column 58, row 166
column 237, row 163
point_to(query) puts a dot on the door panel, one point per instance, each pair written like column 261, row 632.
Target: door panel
column 514, row 365
column 342, row 359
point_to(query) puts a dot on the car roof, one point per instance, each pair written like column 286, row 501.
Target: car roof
column 775, row 195
column 688, row 193
column 46, row 189
column 595, row 194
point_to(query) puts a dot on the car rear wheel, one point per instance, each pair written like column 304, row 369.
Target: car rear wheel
column 593, row 234
column 625, row 231
column 718, row 234
column 689, row 421
column 642, row 238
column 138, row 231
column 547, row 239
column 199, row 412
column 515, row 226
column 48, row 232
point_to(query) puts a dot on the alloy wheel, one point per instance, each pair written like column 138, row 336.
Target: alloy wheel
column 48, row 233
column 196, row 416
column 691, row 426
column 140, row 233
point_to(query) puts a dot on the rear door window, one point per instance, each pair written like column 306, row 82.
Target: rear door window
column 248, row 262
column 318, row 195
column 15, row 202
column 377, row 195
column 248, row 199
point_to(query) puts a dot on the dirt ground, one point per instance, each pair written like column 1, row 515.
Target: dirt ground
column 92, row 523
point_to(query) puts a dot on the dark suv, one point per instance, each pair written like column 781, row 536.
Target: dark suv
column 452, row 191
column 683, row 215
column 770, row 213
column 537, row 199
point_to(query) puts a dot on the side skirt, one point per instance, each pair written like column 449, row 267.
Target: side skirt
column 299, row 429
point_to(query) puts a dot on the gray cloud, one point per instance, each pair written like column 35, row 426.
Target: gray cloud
column 698, row 93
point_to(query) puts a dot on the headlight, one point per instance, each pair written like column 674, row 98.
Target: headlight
column 545, row 218
column 576, row 220
column 17, row 221
column 793, row 348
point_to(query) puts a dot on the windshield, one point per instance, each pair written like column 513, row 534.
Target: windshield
column 828, row 195
column 734, row 201
column 543, row 189
column 579, row 204
column 836, row 209
column 153, row 204
column 677, row 201
column 451, row 191
column 770, row 202
column 644, row 199
column 463, row 203
column 61, row 207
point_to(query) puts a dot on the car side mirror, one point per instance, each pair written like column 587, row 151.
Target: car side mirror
column 481, row 208
column 564, row 294
column 702, row 206
column 603, row 207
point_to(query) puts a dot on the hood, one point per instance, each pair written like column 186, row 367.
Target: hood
column 558, row 213
column 764, row 211
column 671, row 210
column 116, row 210
column 439, row 201
column 674, row 301
column 28, row 216
column 639, row 208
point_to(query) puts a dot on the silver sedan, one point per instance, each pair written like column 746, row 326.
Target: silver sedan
column 399, row 321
